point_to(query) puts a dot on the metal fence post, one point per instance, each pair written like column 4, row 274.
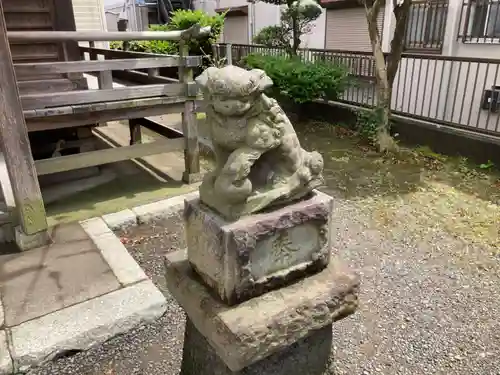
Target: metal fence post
column 229, row 54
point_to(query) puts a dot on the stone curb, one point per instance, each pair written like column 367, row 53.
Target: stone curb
column 123, row 265
column 2, row 316
column 83, row 325
column 6, row 366
column 148, row 212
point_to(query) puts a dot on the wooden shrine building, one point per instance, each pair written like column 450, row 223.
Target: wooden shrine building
column 42, row 89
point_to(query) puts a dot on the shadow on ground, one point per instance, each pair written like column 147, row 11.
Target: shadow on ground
column 357, row 170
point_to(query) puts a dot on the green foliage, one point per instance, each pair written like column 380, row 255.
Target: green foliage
column 180, row 20
column 368, row 122
column 301, row 81
column 428, row 153
column 184, row 19
column 296, row 20
column 272, row 36
column 488, row 165
column 116, row 45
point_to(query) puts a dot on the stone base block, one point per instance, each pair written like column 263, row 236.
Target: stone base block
column 192, row 178
column 31, row 241
column 245, row 334
column 309, row 356
column 261, row 252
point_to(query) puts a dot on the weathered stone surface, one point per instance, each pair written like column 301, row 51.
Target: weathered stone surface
column 120, row 220
column 260, row 252
column 7, row 233
column 253, row 330
column 123, row 265
column 86, row 324
column 309, row 356
column 30, row 241
column 5, row 359
column 259, row 160
column 49, row 278
column 2, row 316
column 162, row 209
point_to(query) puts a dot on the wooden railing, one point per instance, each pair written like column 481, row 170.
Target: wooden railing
column 89, row 107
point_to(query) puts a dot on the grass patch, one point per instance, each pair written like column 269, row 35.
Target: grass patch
column 414, row 192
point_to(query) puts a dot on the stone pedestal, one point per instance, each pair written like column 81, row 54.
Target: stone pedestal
column 260, row 293
column 286, row 331
column 308, row 356
column 259, row 252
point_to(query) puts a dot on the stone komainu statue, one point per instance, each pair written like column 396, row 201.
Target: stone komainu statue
column 259, row 160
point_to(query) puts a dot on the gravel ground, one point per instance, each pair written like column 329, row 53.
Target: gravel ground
column 429, row 305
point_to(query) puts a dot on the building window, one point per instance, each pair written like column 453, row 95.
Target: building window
column 485, row 19
column 480, row 21
column 426, row 26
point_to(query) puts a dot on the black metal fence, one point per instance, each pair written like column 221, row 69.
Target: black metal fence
column 453, row 91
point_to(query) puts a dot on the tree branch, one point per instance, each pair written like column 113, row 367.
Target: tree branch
column 401, row 12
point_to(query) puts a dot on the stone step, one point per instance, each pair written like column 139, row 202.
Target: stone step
column 5, row 216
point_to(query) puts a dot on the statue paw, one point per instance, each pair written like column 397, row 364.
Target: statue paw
column 315, row 163
column 234, row 192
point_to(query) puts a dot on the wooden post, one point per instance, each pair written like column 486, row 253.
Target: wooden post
column 189, row 126
column 122, row 26
column 104, row 80
column 153, row 72
column 135, row 131
column 92, row 55
column 16, row 145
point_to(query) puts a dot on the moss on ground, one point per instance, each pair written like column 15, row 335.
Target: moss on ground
column 415, row 192
column 124, row 192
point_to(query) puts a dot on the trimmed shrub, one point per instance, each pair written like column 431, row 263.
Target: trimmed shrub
column 181, row 20
column 272, row 36
column 301, row 81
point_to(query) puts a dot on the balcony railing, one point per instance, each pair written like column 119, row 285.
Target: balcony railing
column 426, row 26
column 480, row 21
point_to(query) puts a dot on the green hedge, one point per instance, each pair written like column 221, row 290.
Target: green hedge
column 181, row 20
column 301, row 81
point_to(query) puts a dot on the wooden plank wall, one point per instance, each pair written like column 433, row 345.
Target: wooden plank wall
column 32, row 15
column 39, row 15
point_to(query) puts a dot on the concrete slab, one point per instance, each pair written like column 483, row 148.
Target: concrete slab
column 5, row 359
column 86, row 324
column 168, row 165
column 123, row 266
column 67, row 189
column 67, row 296
column 120, row 220
column 50, row 278
column 162, row 209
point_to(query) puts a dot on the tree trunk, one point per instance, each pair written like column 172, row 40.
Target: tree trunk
column 386, row 70
column 294, row 14
column 295, row 34
column 383, row 139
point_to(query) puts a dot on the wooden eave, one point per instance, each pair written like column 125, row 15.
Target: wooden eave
column 340, row 4
column 234, row 11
